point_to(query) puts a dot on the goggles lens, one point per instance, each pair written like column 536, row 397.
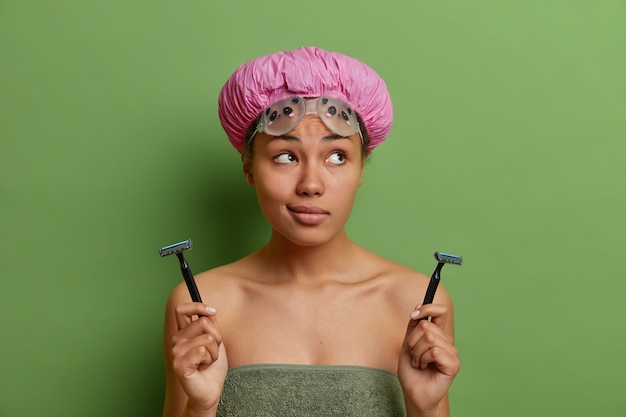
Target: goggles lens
column 283, row 116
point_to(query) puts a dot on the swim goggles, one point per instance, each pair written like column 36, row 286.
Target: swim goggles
column 283, row 116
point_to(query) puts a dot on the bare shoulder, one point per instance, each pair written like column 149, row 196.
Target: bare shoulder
column 405, row 284
column 218, row 287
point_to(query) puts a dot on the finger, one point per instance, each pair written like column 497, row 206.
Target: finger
column 446, row 362
column 204, row 325
column 199, row 357
column 185, row 313
column 438, row 314
column 209, row 341
column 415, row 314
column 413, row 332
column 431, row 336
column 419, row 327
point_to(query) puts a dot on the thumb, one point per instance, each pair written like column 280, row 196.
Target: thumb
column 414, row 320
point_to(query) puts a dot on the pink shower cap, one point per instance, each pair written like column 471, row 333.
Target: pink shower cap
column 306, row 72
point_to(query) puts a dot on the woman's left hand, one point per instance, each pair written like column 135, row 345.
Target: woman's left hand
column 428, row 360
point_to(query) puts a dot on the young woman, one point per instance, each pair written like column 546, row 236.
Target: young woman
column 311, row 323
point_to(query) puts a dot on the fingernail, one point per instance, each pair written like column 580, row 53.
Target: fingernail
column 211, row 310
column 415, row 314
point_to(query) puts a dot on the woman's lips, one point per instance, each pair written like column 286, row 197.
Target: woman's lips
column 309, row 215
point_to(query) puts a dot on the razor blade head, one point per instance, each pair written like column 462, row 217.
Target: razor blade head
column 448, row 258
column 176, row 248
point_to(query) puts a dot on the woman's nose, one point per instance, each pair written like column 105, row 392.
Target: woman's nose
column 311, row 182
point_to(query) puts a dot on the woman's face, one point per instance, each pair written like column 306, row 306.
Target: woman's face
column 306, row 180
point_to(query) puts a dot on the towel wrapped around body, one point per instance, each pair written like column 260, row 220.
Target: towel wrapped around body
column 310, row 390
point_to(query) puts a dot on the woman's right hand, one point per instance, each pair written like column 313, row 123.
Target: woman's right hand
column 198, row 356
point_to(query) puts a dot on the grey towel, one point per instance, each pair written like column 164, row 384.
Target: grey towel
column 310, row 390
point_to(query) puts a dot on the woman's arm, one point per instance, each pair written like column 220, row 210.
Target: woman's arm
column 428, row 360
column 195, row 359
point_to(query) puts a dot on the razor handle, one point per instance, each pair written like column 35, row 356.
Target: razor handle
column 191, row 283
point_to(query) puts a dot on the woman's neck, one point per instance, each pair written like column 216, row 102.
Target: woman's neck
column 333, row 260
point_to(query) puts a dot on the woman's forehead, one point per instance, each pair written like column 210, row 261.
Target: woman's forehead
column 312, row 128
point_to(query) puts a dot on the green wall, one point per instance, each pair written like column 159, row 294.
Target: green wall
column 507, row 148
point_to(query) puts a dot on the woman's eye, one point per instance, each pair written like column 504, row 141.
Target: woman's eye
column 285, row 158
column 337, row 158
